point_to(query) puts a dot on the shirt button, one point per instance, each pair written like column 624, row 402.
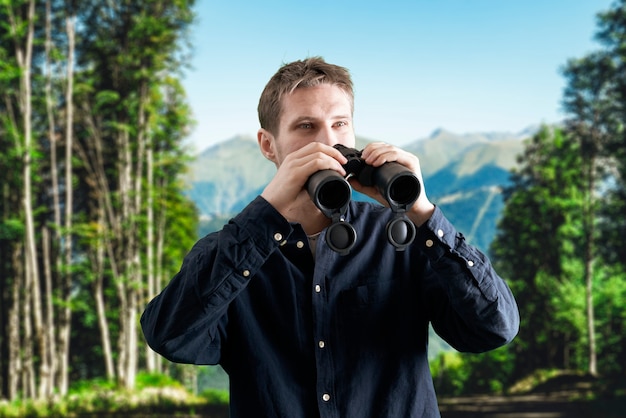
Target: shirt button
column 429, row 243
column 326, row 397
column 300, row 244
column 321, row 344
column 317, row 288
column 470, row 263
column 246, row 273
column 440, row 233
column 278, row 236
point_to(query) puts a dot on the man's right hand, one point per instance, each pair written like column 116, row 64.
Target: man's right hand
column 286, row 190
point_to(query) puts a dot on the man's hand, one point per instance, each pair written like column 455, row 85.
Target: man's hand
column 286, row 190
column 378, row 153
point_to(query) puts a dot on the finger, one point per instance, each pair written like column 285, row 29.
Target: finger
column 379, row 153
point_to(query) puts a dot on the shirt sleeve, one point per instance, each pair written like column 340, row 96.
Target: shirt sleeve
column 470, row 306
column 186, row 322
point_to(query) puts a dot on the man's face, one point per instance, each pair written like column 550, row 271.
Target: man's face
column 314, row 114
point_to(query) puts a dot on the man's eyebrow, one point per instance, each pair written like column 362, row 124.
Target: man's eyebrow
column 303, row 118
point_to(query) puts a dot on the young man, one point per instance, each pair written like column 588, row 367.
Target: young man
column 301, row 330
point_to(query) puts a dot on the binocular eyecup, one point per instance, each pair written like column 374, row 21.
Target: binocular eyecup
column 332, row 193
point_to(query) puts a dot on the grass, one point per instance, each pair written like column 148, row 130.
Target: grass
column 154, row 395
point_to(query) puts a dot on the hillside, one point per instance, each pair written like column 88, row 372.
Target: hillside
column 463, row 174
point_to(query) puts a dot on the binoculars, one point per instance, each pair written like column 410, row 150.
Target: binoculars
column 331, row 193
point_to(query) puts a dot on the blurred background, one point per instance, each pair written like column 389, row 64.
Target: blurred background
column 128, row 130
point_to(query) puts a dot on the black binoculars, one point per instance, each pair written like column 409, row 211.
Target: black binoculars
column 331, row 193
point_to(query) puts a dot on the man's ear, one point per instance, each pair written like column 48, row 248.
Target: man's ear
column 266, row 144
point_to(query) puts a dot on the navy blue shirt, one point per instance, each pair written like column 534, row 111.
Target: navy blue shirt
column 335, row 336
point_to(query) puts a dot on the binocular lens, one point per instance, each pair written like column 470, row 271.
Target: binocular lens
column 404, row 189
column 333, row 194
column 330, row 192
column 399, row 186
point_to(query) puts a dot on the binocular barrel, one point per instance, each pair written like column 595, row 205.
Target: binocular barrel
column 399, row 186
column 329, row 191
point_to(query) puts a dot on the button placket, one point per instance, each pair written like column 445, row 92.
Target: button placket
column 323, row 360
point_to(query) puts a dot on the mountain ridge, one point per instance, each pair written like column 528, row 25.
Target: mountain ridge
column 463, row 173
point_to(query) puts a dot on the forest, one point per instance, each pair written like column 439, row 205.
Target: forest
column 94, row 219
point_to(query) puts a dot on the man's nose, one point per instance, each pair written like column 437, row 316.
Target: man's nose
column 327, row 135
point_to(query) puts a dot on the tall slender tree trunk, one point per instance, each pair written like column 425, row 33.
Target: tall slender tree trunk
column 15, row 340
column 125, row 254
column 66, row 312
column 108, row 225
column 47, row 364
column 49, row 361
column 160, row 244
column 31, row 268
column 103, row 323
column 589, row 226
column 151, row 288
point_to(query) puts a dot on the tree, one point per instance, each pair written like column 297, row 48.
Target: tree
column 594, row 100
column 21, row 21
column 537, row 246
column 612, row 36
column 579, row 212
column 588, row 100
column 131, row 49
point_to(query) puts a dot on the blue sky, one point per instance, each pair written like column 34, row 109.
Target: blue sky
column 419, row 65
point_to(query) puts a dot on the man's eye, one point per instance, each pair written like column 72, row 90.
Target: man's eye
column 341, row 123
column 306, row 125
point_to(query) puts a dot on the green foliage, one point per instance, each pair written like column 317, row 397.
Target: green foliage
column 93, row 385
column 216, row 396
column 11, row 229
column 449, row 373
column 155, row 380
column 155, row 394
column 537, row 249
column 610, row 302
column 457, row 374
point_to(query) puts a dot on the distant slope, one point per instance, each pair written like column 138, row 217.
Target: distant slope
column 224, row 174
column 442, row 148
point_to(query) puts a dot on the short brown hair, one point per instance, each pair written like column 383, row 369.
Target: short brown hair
column 297, row 74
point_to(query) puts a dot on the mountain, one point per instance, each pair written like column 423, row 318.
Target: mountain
column 463, row 174
column 442, row 148
column 223, row 178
